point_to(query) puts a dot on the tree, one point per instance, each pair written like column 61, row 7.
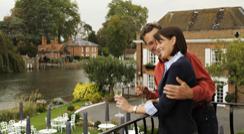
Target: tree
column 126, row 8
column 83, row 30
column 10, row 61
column 92, row 37
column 123, row 21
column 31, row 19
column 118, row 34
column 232, row 63
column 50, row 18
column 107, row 71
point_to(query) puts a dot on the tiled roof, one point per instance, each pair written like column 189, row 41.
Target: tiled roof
column 51, row 48
column 81, row 42
column 205, row 19
column 130, row 51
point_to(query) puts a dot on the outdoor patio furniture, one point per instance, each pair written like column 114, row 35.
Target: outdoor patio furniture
column 48, row 131
column 11, row 122
column 59, row 123
column 21, row 124
column 72, row 120
column 65, row 115
column 105, row 126
column 4, row 127
column 13, row 130
column 33, row 130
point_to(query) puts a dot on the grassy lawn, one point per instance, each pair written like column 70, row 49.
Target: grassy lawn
column 39, row 120
column 240, row 132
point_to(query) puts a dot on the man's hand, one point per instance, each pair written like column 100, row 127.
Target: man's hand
column 182, row 91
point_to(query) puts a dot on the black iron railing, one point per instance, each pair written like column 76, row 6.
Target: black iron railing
column 123, row 128
column 231, row 113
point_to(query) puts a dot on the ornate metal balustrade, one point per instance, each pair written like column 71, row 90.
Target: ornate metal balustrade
column 123, row 128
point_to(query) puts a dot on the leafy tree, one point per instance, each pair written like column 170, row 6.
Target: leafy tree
column 10, row 61
column 123, row 21
column 31, row 19
column 50, row 18
column 231, row 65
column 126, row 8
column 118, row 34
column 107, row 71
column 92, row 37
column 84, row 30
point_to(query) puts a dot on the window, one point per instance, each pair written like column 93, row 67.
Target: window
column 151, row 57
column 150, row 82
column 213, row 55
column 87, row 49
column 220, row 93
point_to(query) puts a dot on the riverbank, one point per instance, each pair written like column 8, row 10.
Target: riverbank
column 68, row 65
column 15, row 104
column 8, row 105
column 50, row 83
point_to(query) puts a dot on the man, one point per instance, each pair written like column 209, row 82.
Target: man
column 202, row 93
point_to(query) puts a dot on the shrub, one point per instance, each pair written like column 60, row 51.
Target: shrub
column 7, row 115
column 32, row 97
column 109, row 97
column 30, row 108
column 149, row 66
column 97, row 123
column 40, row 108
column 87, row 92
column 71, row 108
column 230, row 97
column 57, row 101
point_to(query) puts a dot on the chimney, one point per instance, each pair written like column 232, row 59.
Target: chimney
column 69, row 41
column 44, row 40
column 56, row 40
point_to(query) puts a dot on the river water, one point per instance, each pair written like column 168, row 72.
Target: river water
column 50, row 83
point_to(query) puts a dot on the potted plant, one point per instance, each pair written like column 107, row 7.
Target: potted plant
column 149, row 65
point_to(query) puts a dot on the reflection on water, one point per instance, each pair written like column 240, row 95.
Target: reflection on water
column 51, row 83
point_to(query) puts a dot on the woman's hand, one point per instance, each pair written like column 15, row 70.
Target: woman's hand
column 123, row 104
column 155, row 100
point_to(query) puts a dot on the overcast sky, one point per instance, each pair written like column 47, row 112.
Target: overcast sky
column 93, row 12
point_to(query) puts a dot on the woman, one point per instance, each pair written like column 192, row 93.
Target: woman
column 174, row 116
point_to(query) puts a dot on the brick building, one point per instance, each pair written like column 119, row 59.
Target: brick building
column 82, row 48
column 54, row 50
column 205, row 31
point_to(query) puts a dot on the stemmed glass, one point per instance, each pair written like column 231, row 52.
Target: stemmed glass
column 140, row 84
column 118, row 92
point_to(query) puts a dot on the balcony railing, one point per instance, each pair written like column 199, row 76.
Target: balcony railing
column 123, row 128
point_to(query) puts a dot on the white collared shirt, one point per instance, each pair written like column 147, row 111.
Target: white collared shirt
column 149, row 107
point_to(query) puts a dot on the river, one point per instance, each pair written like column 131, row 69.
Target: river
column 50, row 83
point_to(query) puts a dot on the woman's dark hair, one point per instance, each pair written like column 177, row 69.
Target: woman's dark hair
column 148, row 28
column 169, row 32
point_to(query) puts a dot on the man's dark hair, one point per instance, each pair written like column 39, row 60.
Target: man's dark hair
column 148, row 28
column 169, row 32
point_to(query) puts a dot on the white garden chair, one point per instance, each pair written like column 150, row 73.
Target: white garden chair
column 4, row 127
column 72, row 120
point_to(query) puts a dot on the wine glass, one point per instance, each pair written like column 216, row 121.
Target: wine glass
column 118, row 92
column 140, row 84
